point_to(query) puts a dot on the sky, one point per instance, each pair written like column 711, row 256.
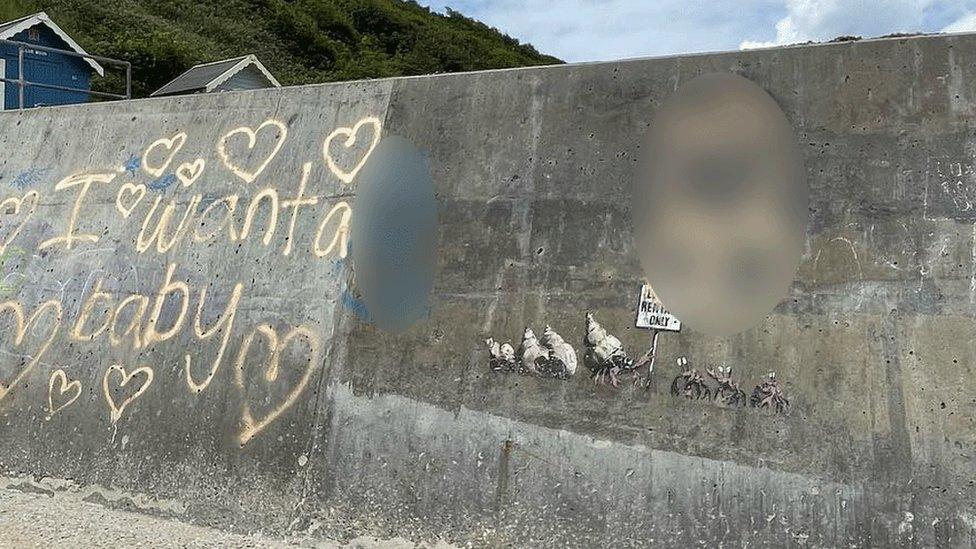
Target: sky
column 602, row 30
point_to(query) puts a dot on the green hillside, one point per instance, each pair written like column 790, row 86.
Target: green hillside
column 300, row 41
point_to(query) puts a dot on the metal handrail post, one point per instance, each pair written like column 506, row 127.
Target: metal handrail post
column 20, row 74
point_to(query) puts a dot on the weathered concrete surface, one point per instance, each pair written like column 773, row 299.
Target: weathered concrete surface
column 411, row 434
column 36, row 515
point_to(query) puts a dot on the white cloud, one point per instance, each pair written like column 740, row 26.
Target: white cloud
column 592, row 30
column 753, row 44
column 819, row 20
column 963, row 24
column 596, row 30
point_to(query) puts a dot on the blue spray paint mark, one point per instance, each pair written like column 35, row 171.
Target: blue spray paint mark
column 162, row 182
column 336, row 267
column 132, row 165
column 350, row 302
column 29, row 178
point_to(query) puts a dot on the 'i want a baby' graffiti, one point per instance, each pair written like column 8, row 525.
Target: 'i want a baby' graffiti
column 166, row 211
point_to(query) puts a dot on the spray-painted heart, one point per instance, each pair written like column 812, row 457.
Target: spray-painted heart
column 350, row 135
column 117, row 409
column 252, row 425
column 130, row 195
column 14, row 206
column 252, row 138
column 72, row 388
column 189, row 172
column 166, row 146
column 21, row 324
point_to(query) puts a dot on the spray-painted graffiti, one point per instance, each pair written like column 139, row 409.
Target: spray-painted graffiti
column 768, row 394
column 501, row 356
column 70, row 388
column 728, row 391
column 604, row 354
column 163, row 205
column 549, row 356
column 29, row 178
column 117, row 405
column 723, row 389
column 690, row 383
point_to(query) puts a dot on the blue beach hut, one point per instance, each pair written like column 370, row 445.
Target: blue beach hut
column 44, row 67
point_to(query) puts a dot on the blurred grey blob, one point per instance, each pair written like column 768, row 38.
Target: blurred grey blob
column 394, row 231
column 720, row 204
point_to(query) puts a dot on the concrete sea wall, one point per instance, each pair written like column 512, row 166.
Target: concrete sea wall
column 183, row 333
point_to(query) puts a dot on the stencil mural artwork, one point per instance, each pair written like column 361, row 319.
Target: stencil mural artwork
column 551, row 357
column 105, row 261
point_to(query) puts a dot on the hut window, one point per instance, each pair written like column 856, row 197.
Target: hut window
column 34, row 33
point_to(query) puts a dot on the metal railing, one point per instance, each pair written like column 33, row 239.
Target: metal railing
column 23, row 83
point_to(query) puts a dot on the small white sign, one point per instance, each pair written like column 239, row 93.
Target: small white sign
column 652, row 315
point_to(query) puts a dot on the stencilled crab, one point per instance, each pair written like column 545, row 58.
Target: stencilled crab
column 501, row 357
column 604, row 354
column 562, row 360
column 689, row 383
column 728, row 391
column 768, row 394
